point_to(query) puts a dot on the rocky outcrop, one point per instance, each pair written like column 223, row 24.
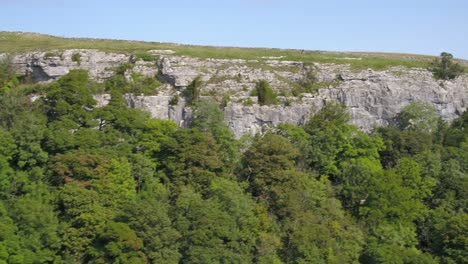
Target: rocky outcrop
column 51, row 65
column 373, row 97
column 160, row 107
column 376, row 97
column 255, row 119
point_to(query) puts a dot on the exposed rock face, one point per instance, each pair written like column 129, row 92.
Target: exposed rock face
column 372, row 97
column 159, row 107
column 253, row 119
column 49, row 66
column 376, row 98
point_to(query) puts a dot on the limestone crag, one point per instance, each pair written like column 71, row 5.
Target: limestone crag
column 223, row 75
column 255, row 119
column 159, row 107
column 376, row 97
column 372, row 97
column 49, row 66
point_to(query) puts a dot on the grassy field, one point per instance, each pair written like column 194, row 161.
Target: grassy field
column 13, row 42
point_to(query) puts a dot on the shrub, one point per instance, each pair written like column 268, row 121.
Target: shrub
column 76, row 57
column 145, row 56
column 142, row 85
column 247, row 102
column 123, row 68
column 418, row 116
column 444, row 68
column 266, row 96
column 226, row 99
column 174, row 100
column 50, row 54
column 8, row 78
column 192, row 92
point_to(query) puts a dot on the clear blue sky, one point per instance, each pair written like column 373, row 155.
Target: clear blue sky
column 419, row 26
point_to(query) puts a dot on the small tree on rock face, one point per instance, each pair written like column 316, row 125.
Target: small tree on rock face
column 444, row 68
column 192, row 92
column 418, row 116
column 265, row 95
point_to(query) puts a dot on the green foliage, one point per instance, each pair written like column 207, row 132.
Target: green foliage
column 266, row 96
column 192, row 92
column 219, row 229
column 312, row 87
column 444, row 68
column 76, row 57
column 117, row 183
column 116, row 243
column 193, row 158
column 122, row 68
column 174, row 100
column 50, row 54
column 69, row 98
column 149, row 217
column 8, row 77
column 87, row 184
column 331, row 135
column 310, row 84
column 457, row 133
column 208, row 117
column 449, row 231
column 145, row 56
column 142, row 85
column 37, row 224
column 418, row 116
column 301, row 204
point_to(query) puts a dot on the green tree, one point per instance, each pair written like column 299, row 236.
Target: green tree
column 266, row 96
column 38, row 225
column 393, row 205
column 314, row 229
column 192, row 92
column 447, row 232
column 444, row 68
column 193, row 158
column 116, row 184
column 265, row 164
column 330, row 136
column 148, row 216
column 219, row 229
column 208, row 117
column 29, row 131
column 13, row 105
column 116, row 243
column 70, row 99
column 8, row 77
column 156, row 133
column 418, row 116
column 82, row 215
column 457, row 133
column 10, row 249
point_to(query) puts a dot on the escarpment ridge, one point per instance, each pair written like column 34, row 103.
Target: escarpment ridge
column 374, row 95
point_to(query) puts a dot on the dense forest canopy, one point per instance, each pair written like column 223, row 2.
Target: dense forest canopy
column 87, row 184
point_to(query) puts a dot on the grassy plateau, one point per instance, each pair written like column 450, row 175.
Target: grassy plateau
column 17, row 42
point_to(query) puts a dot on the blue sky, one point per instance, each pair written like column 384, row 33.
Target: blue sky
column 421, row 27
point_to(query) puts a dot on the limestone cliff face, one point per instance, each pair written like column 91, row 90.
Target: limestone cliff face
column 372, row 97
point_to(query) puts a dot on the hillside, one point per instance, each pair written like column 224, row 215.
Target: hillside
column 14, row 42
column 141, row 154
column 374, row 87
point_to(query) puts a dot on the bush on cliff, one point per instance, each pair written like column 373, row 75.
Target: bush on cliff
column 444, row 68
column 266, row 96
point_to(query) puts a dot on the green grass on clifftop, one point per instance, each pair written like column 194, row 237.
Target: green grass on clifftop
column 14, row 42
